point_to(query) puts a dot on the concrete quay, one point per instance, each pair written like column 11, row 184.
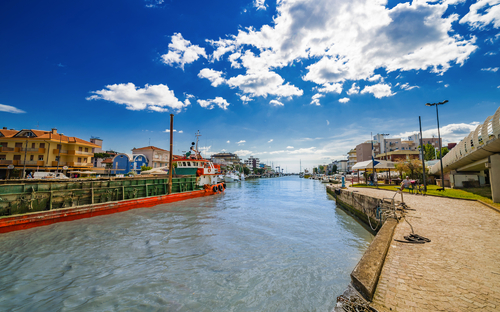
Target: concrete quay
column 459, row 270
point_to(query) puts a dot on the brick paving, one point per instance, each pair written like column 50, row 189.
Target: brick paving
column 458, row 271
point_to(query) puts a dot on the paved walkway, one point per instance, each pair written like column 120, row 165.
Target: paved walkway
column 458, row 271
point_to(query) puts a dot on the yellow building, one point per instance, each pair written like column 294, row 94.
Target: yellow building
column 40, row 150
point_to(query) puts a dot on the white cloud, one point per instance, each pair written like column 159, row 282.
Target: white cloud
column 180, row 131
column 214, row 76
column 379, row 90
column 491, row 69
column 276, row 152
column 344, row 100
column 181, row 52
column 449, row 133
column 316, row 97
column 346, row 41
column 289, row 147
column 263, row 83
column 243, row 153
column 245, row 99
column 276, row 103
column 153, row 97
column 353, row 90
column 327, row 122
column 309, row 150
column 407, row 86
column 270, row 141
column 260, row 4
column 446, row 85
column 331, row 87
column 205, row 150
column 241, row 142
column 10, row 109
column 228, row 141
column 222, row 103
column 491, row 53
column 374, row 78
column 168, row 131
column 482, row 13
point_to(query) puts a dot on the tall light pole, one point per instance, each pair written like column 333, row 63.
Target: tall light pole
column 439, row 138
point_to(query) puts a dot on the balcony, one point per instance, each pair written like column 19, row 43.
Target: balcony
column 28, row 162
column 6, row 149
column 33, row 150
column 72, row 152
column 79, row 164
column 5, row 162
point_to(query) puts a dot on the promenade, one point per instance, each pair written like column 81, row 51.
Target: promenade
column 458, row 271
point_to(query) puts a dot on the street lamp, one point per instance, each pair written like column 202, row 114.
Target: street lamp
column 60, row 147
column 439, row 138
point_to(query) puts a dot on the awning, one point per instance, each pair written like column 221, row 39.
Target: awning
column 381, row 165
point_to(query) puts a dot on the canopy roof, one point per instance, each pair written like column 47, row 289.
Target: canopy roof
column 380, row 165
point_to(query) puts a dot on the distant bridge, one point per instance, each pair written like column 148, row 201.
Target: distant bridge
column 476, row 157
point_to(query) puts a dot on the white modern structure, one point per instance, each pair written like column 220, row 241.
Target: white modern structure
column 476, row 157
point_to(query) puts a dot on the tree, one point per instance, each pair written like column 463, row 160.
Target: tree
column 102, row 155
column 429, row 152
column 444, row 151
column 401, row 168
column 315, row 170
column 144, row 168
column 246, row 170
column 334, row 169
column 321, row 169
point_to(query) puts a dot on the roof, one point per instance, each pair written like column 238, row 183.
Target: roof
column 107, row 161
column 151, row 148
column 47, row 135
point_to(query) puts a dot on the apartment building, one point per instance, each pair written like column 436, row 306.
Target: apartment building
column 252, row 162
column 156, row 157
column 43, row 151
column 351, row 159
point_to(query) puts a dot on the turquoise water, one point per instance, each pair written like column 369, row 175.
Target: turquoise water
column 265, row 245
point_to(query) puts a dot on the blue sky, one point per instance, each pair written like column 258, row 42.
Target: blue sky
column 279, row 80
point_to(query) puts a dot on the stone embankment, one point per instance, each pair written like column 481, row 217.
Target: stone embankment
column 459, row 270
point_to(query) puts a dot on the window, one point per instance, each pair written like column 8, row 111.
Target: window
column 32, row 157
column 79, row 159
column 33, row 145
column 189, row 163
column 85, row 160
column 40, row 157
column 42, row 145
column 19, row 144
column 59, row 146
column 17, row 157
column 3, row 157
column 80, row 149
column 57, row 158
column 156, row 164
column 86, row 150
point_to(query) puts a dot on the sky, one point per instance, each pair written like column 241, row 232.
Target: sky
column 289, row 82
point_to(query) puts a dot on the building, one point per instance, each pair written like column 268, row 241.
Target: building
column 351, row 159
column 252, row 162
column 39, row 150
column 126, row 163
column 97, row 141
column 156, row 156
column 228, row 159
column 364, row 150
column 341, row 165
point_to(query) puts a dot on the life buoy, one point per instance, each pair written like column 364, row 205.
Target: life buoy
column 209, row 170
column 220, row 187
column 214, row 188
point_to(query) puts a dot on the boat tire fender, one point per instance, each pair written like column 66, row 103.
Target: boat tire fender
column 224, row 185
column 220, row 188
column 214, row 188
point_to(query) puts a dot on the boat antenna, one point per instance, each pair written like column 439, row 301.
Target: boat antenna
column 197, row 134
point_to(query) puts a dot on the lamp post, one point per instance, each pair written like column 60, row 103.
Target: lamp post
column 439, row 138
column 60, row 147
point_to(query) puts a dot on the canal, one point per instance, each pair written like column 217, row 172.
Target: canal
column 277, row 244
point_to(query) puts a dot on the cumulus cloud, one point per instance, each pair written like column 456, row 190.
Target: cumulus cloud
column 491, row 69
column 345, row 42
column 315, row 99
column 263, row 84
column 270, row 141
column 353, row 90
column 379, row 90
column 260, row 4
column 209, row 104
column 449, row 133
column 157, row 98
column 243, row 153
column 245, row 99
column 241, row 142
column 181, row 52
column 331, row 87
column 214, row 76
column 344, row 100
column 289, row 147
column 276, row 103
column 483, row 13
column 10, row 109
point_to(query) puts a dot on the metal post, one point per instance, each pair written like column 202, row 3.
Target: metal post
column 25, row 151
column 170, row 165
column 59, row 156
column 440, row 149
column 422, row 153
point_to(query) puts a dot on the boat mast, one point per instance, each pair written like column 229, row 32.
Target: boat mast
column 197, row 134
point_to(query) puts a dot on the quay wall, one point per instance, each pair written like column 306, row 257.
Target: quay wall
column 365, row 276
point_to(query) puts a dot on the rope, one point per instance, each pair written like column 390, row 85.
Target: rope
column 412, row 238
column 354, row 304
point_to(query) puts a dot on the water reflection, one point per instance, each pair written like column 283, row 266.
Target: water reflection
column 265, row 245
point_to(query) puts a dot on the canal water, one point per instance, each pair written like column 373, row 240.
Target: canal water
column 275, row 244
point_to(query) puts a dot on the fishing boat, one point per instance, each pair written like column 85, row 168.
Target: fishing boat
column 25, row 204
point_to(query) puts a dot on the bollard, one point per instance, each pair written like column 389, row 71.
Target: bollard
column 343, row 182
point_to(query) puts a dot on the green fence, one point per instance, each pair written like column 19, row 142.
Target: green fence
column 31, row 197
